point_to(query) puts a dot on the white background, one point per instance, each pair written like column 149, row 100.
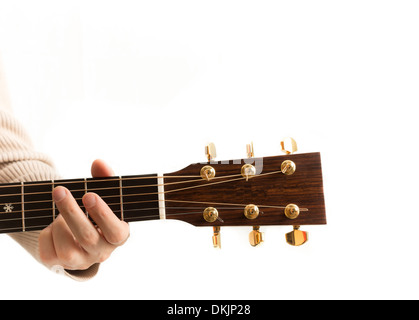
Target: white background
column 146, row 84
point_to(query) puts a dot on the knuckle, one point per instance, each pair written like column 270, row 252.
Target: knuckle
column 118, row 235
column 68, row 257
column 103, row 256
column 89, row 238
column 46, row 256
column 84, row 266
column 102, row 211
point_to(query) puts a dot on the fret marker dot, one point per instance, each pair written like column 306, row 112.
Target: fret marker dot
column 8, row 207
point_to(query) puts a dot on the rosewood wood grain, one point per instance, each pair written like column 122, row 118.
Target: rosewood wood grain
column 304, row 188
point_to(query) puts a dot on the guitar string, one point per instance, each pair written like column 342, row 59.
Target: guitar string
column 127, row 219
column 114, row 178
column 140, row 194
column 138, row 217
column 56, row 184
column 39, row 227
column 241, row 205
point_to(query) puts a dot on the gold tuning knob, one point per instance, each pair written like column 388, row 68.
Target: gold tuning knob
column 288, row 146
column 296, row 237
column 249, row 150
column 216, row 238
column 210, row 151
column 255, row 237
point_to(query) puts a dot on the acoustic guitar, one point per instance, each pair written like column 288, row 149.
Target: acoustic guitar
column 278, row 190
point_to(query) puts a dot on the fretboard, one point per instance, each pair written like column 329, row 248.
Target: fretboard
column 28, row 206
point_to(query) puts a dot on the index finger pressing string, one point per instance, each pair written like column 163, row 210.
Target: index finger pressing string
column 114, row 230
column 80, row 226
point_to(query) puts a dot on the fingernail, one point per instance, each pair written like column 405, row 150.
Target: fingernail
column 89, row 200
column 59, row 194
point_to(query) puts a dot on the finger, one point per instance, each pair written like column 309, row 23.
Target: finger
column 70, row 255
column 46, row 246
column 115, row 231
column 83, row 230
column 100, row 169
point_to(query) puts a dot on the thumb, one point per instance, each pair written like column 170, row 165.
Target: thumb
column 100, row 169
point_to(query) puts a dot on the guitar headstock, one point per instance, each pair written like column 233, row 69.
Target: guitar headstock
column 277, row 190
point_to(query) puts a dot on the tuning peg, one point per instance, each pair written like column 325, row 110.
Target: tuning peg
column 208, row 172
column 249, row 150
column 249, row 170
column 255, row 237
column 289, row 146
column 296, row 237
column 210, row 151
column 216, row 238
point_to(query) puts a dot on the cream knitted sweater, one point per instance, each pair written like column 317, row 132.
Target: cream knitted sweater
column 20, row 162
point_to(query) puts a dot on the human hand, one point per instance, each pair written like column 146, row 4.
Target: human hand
column 72, row 241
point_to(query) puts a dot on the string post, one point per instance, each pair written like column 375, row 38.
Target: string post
column 216, row 238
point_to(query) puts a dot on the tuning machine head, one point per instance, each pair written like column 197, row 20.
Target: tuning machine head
column 289, row 146
column 216, row 238
column 296, row 237
column 210, row 151
column 256, row 237
column 249, row 150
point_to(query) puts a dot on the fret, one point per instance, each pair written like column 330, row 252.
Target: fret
column 85, row 191
column 23, row 206
column 75, row 186
column 121, row 198
column 108, row 190
column 37, row 205
column 140, row 198
column 10, row 208
column 53, row 202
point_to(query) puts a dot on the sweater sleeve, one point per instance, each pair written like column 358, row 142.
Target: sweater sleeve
column 20, row 162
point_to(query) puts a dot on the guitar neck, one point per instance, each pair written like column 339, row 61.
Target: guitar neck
column 28, row 206
column 202, row 194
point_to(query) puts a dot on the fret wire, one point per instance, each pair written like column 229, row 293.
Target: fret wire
column 23, row 207
column 121, row 199
column 53, row 202
column 85, row 191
